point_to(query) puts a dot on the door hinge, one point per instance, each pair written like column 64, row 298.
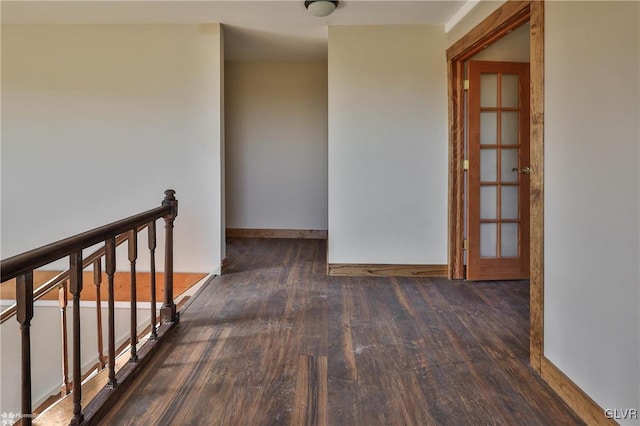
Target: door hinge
column 465, row 84
column 465, row 164
column 465, row 244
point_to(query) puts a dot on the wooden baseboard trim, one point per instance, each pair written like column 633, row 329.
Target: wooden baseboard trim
column 581, row 403
column 383, row 270
column 311, row 234
column 106, row 398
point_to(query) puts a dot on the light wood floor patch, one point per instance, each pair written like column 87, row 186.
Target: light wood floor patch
column 182, row 281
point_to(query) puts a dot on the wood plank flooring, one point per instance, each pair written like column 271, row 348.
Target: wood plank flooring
column 275, row 341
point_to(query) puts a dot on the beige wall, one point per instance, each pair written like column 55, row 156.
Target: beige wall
column 98, row 120
column 223, row 152
column 592, row 197
column 387, row 145
column 276, row 125
column 514, row 47
column 482, row 9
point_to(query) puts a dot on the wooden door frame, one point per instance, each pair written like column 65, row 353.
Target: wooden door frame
column 507, row 17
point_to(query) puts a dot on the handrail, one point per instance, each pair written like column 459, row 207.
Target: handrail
column 33, row 259
column 62, row 276
column 23, row 265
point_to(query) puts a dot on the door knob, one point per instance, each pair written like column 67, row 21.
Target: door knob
column 524, row 170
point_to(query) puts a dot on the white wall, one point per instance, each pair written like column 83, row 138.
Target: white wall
column 387, row 145
column 592, row 196
column 276, row 127
column 98, row 120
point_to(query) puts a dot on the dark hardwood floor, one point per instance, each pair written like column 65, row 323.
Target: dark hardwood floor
column 275, row 341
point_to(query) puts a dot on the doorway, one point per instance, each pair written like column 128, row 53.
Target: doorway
column 506, row 18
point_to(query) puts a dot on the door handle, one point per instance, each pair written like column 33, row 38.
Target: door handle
column 524, row 170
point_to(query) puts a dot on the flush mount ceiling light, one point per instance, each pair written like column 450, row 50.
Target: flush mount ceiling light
column 320, row 7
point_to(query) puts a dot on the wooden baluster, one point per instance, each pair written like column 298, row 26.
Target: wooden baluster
column 151, row 232
column 63, row 301
column 24, row 314
column 110, row 269
column 97, row 281
column 168, row 311
column 133, row 255
column 75, row 286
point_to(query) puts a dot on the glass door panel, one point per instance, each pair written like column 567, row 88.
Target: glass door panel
column 510, row 88
column 489, row 128
column 489, row 202
column 509, row 127
column 489, row 90
column 489, row 165
column 509, row 203
column 509, row 162
column 488, row 239
column 509, row 240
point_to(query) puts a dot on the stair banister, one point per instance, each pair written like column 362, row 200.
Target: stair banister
column 21, row 268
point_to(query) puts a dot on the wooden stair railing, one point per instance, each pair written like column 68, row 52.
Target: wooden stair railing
column 21, row 268
column 62, row 278
column 60, row 282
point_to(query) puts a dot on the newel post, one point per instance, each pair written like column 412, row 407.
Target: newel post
column 168, row 310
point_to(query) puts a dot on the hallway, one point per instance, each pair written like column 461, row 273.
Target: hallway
column 276, row 341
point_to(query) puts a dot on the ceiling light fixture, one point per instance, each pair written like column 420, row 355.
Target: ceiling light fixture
column 320, row 7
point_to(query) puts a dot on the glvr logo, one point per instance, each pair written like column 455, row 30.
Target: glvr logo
column 621, row 413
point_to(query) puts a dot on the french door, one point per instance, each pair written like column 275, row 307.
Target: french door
column 498, row 171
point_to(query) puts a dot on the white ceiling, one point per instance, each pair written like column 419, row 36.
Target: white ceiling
column 254, row 30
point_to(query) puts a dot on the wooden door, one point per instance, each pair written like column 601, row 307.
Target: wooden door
column 498, row 172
